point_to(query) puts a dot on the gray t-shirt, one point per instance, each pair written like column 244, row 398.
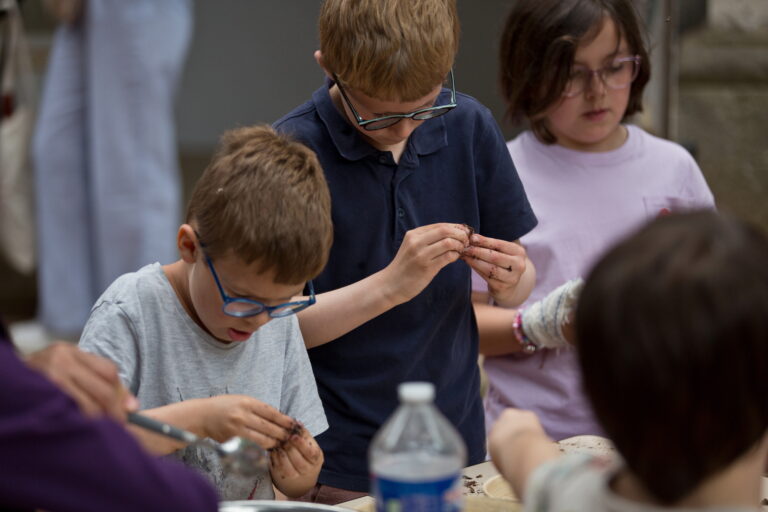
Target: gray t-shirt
column 580, row 481
column 164, row 357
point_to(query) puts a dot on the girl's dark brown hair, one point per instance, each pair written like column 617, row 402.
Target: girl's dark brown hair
column 672, row 329
column 538, row 46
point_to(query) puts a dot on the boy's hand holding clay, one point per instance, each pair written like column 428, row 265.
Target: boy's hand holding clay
column 296, row 461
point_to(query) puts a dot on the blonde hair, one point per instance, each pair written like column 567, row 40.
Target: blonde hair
column 264, row 198
column 392, row 50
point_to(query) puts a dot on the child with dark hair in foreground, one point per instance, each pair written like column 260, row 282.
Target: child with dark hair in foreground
column 672, row 336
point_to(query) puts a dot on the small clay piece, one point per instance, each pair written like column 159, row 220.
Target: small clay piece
column 297, row 429
column 470, row 485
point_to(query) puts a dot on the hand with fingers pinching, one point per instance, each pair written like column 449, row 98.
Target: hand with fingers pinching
column 424, row 252
column 504, row 266
column 295, row 463
column 229, row 416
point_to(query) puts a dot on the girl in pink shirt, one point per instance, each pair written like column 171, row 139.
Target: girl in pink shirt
column 575, row 70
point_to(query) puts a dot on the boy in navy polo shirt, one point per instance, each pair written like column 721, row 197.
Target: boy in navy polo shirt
column 417, row 173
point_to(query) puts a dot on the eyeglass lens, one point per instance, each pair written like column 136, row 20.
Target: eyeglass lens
column 243, row 308
column 616, row 76
column 421, row 116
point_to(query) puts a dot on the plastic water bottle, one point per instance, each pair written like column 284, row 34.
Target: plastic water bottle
column 417, row 457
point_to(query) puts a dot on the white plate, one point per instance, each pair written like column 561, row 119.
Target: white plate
column 497, row 487
column 276, row 506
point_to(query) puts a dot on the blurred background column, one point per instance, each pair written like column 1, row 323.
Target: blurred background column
column 723, row 109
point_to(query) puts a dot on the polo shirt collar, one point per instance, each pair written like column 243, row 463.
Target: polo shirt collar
column 426, row 139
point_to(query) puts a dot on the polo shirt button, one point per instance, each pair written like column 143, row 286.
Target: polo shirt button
column 400, row 212
column 383, row 159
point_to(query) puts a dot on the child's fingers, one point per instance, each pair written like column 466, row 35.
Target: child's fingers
column 494, row 250
column 300, row 465
column 269, row 425
column 265, row 441
column 301, row 456
column 298, row 454
column 280, row 465
column 495, row 260
column 271, row 415
column 307, row 447
column 433, row 233
column 511, row 248
column 494, row 271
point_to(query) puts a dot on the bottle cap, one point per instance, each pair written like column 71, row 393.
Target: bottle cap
column 416, row 392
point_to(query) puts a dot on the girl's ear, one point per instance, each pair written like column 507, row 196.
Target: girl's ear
column 187, row 242
column 319, row 59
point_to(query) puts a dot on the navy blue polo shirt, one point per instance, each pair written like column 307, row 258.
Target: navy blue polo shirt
column 455, row 168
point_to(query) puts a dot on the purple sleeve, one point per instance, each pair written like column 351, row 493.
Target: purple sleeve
column 478, row 283
column 54, row 458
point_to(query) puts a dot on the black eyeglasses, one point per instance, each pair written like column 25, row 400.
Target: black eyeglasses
column 422, row 114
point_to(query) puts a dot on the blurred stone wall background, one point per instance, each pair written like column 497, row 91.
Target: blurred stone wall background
column 251, row 61
column 723, row 103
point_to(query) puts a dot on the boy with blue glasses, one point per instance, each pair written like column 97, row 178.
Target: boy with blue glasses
column 210, row 342
column 420, row 177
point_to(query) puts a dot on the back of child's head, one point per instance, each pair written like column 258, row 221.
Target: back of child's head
column 264, row 198
column 672, row 329
column 537, row 50
column 392, row 50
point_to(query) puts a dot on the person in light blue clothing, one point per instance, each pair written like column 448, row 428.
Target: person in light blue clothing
column 104, row 150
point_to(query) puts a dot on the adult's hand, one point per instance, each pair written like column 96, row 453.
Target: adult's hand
column 91, row 380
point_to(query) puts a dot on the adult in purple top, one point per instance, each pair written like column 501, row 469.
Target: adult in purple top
column 55, row 458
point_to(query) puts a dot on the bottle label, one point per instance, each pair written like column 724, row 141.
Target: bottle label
column 442, row 495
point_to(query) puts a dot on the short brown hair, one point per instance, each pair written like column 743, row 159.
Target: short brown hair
column 538, row 46
column 672, row 330
column 264, row 198
column 392, row 50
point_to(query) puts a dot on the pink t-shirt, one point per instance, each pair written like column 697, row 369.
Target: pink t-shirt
column 585, row 202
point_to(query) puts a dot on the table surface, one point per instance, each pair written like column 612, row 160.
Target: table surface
column 475, row 499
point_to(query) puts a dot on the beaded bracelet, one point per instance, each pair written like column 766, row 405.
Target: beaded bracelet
column 529, row 347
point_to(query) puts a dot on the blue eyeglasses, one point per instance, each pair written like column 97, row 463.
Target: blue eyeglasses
column 241, row 308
